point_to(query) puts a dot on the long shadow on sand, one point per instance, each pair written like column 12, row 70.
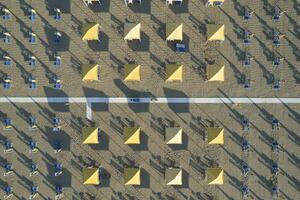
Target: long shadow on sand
column 63, row 5
column 130, row 93
column 97, row 107
column 51, row 92
column 177, row 108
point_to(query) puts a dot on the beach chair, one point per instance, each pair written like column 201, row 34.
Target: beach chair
column 275, row 192
column 248, row 83
column 8, row 169
column 33, row 169
column 8, row 192
column 32, row 38
column 128, row 2
column 34, row 192
column 180, row 47
column 247, row 37
column 248, row 14
column 277, row 60
column 7, row 82
column 245, row 192
column 247, row 62
column 277, row 38
column 57, row 82
column 8, row 124
column 277, row 14
column 8, row 146
column 33, row 147
column 32, row 82
column 246, row 124
column 57, row 37
column 277, row 83
column 245, row 146
column 90, row 2
column 7, row 60
column 58, row 169
column 7, row 39
column 59, row 192
column 275, row 124
column 246, row 169
column 275, row 146
column 6, row 15
column 57, row 14
column 57, row 146
column 32, row 123
column 57, row 61
column 32, row 14
column 32, row 61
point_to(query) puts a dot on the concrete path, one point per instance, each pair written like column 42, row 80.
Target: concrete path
column 149, row 100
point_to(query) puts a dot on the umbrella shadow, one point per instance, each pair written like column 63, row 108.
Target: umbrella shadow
column 103, row 142
column 105, row 177
column 144, row 8
column 64, row 43
column 177, row 108
column 140, row 45
column 143, row 146
column 136, row 107
column 200, row 26
column 96, row 107
column 100, row 45
column 145, row 179
column 158, row 26
column 103, row 7
column 178, row 8
column 64, row 6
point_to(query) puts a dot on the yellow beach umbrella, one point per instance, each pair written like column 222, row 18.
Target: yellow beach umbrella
column 91, row 176
column 173, row 135
column 174, row 31
column 132, row 135
column 132, row 31
column 174, row 72
column 173, row 176
column 215, row 135
column 216, row 32
column 90, row 135
column 215, row 72
column 132, row 176
column 132, row 72
column 90, row 72
column 215, row 176
column 90, row 31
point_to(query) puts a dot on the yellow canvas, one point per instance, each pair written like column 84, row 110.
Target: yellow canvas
column 215, row 176
column 90, row 135
column 91, row 176
column 215, row 135
column 216, row 32
column 173, row 176
column 132, row 72
column 174, row 72
column 132, row 135
column 132, row 176
column 215, row 73
column 174, row 31
column 90, row 31
column 90, row 72
column 132, row 31
column 173, row 135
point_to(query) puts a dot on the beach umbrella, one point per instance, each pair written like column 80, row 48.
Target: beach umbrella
column 32, row 61
column 215, row 135
column 174, row 72
column 57, row 37
column 215, row 32
column 90, row 135
column 245, row 191
column 248, row 14
column 246, row 124
column 277, row 60
column 32, row 122
column 57, row 146
column 275, row 169
column 275, row 146
column 173, row 176
column 132, row 72
column 58, row 191
column 91, row 176
column 173, row 135
column 132, row 31
column 247, row 60
column 8, row 192
column 8, row 146
column 34, row 191
column 90, row 31
column 277, row 14
column 132, row 135
column 215, row 176
column 246, row 169
column 245, row 145
column 174, row 31
column 57, row 82
column 215, row 73
column 248, row 36
column 132, row 176
column 275, row 124
column 90, row 72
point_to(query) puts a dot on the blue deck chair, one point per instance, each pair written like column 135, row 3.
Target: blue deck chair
column 245, row 191
column 34, row 191
column 6, row 14
column 275, row 146
column 277, row 61
column 32, row 38
column 58, row 189
column 275, row 124
column 32, row 123
column 8, row 146
column 32, row 82
column 180, row 47
column 275, row 192
column 246, row 124
column 246, row 170
column 247, row 14
column 57, row 146
column 8, row 192
column 57, row 82
column 7, row 82
column 8, row 169
column 7, row 61
column 57, row 14
column 32, row 15
column 57, row 61
column 32, row 61
column 57, row 37
column 7, row 123
column 33, row 146
column 33, row 169
column 7, row 38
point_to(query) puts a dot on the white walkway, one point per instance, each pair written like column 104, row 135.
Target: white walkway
column 149, row 100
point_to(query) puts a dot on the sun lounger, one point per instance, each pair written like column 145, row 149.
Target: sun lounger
column 57, row 14
column 58, row 169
